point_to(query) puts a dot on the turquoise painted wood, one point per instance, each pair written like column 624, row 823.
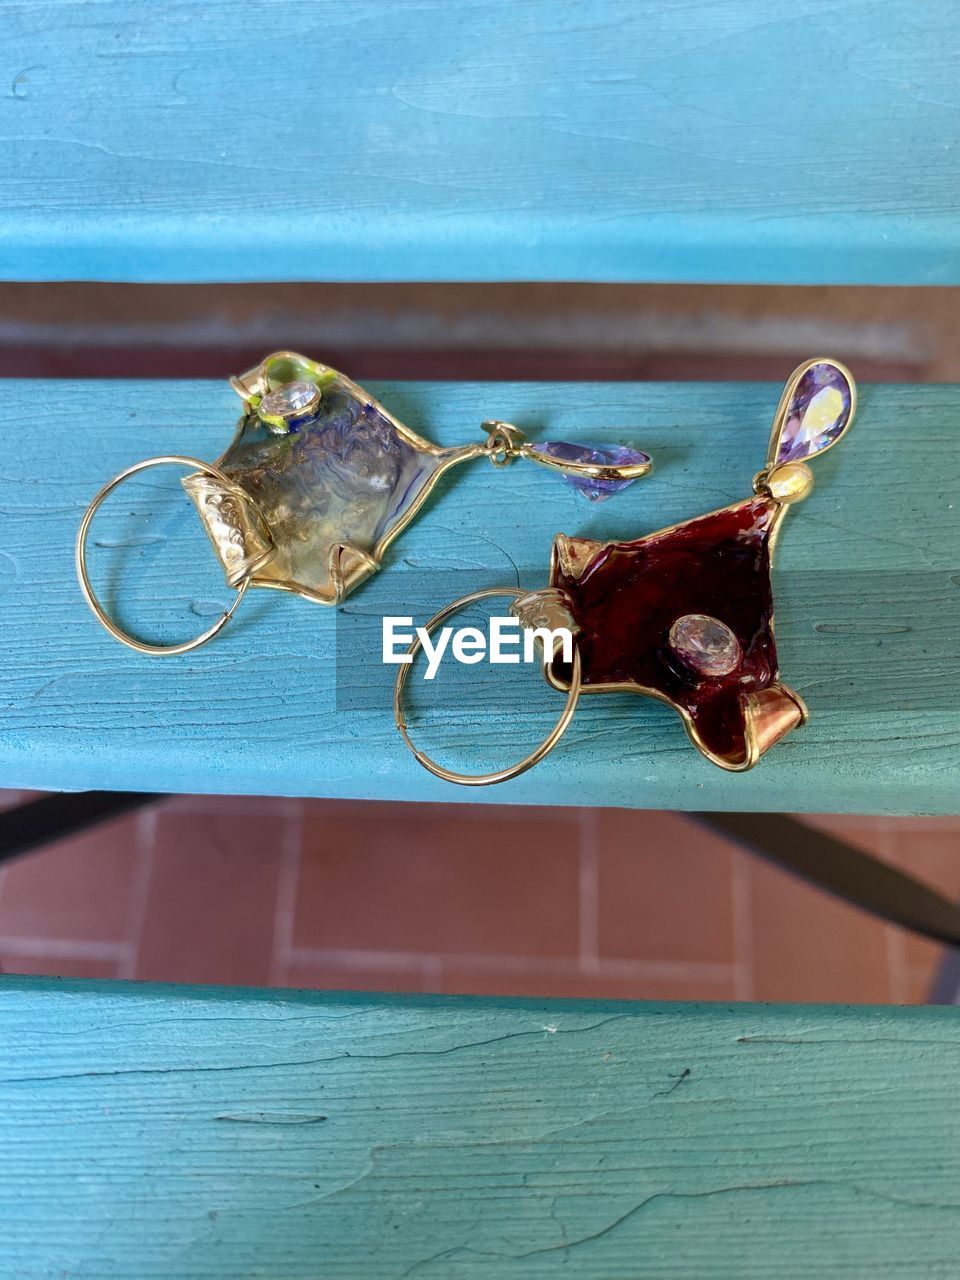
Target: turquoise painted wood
column 739, row 140
column 152, row 1133
column 293, row 698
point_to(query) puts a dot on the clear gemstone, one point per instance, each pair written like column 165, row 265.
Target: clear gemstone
column 705, row 644
column 291, row 400
column 818, row 413
column 607, row 455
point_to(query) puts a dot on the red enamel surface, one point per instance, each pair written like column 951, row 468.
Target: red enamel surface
column 631, row 593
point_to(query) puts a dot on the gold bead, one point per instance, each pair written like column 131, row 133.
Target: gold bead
column 790, row 482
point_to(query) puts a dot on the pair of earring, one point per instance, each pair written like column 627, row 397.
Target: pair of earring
column 320, row 478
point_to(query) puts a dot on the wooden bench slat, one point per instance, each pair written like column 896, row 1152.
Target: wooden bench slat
column 188, row 1132
column 293, row 698
column 352, row 140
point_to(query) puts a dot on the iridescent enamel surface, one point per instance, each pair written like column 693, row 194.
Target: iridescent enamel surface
column 819, row 410
column 630, row 594
column 345, row 476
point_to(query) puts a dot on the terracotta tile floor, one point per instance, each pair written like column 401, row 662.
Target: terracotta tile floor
column 483, row 899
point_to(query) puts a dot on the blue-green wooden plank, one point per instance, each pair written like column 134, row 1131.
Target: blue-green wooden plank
column 151, row 1133
column 739, row 140
column 293, row 699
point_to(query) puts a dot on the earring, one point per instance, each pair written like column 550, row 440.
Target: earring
column 319, row 480
column 684, row 615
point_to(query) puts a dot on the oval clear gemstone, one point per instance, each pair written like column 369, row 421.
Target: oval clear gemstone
column 705, row 644
column 289, row 400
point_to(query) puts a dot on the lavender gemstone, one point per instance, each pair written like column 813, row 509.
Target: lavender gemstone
column 609, row 455
column 818, row 413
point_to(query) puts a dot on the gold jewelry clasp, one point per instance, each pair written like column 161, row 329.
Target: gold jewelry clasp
column 504, row 441
column 580, row 464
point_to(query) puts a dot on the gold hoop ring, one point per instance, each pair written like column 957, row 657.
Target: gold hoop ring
column 161, row 650
column 512, row 771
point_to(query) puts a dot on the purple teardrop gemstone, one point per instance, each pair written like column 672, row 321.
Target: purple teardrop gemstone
column 608, row 455
column 818, row 412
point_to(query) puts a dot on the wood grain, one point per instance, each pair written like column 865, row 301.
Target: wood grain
column 293, row 698
column 740, row 141
column 154, row 1133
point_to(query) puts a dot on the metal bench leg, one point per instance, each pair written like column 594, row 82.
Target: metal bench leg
column 844, row 870
column 38, row 822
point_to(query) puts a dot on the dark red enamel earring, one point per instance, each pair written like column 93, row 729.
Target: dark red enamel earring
column 685, row 614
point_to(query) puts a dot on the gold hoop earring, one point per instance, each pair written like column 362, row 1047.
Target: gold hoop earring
column 511, row 771
column 141, row 646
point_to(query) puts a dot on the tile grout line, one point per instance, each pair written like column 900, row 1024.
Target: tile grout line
column 589, row 891
column 64, row 948
column 431, row 974
column 320, row 957
column 288, row 883
column 559, row 966
column 741, row 898
column 146, row 828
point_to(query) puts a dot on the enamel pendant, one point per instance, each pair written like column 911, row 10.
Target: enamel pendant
column 685, row 615
column 320, row 478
